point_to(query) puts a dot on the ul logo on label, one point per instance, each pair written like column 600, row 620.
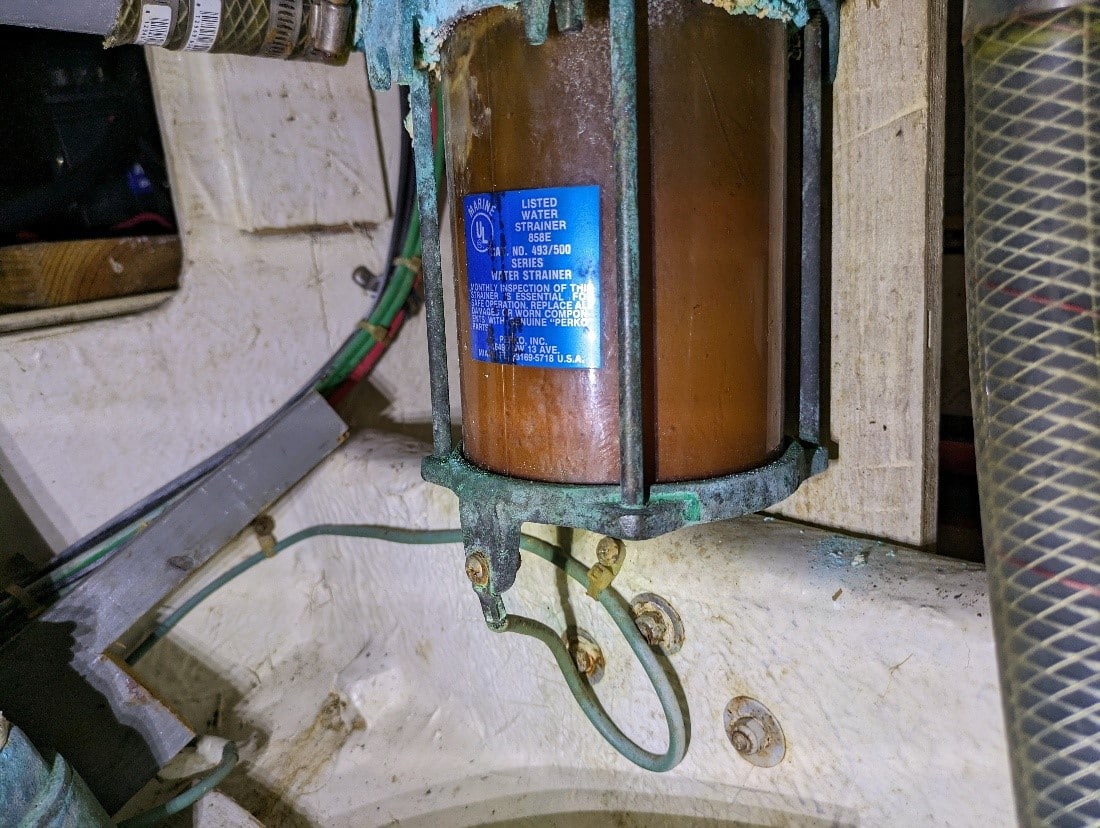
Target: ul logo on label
column 481, row 232
column 480, row 211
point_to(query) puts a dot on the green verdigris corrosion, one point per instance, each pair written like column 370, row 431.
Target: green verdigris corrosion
column 384, row 29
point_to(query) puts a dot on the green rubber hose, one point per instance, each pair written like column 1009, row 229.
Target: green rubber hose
column 580, row 688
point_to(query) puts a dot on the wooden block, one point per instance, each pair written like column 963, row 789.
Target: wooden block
column 50, row 274
column 887, row 194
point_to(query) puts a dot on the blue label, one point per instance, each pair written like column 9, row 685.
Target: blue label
column 533, row 264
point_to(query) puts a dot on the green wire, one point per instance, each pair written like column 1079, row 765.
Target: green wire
column 393, row 297
column 397, row 291
column 10, row 606
column 189, row 797
column 578, row 685
column 582, row 691
column 406, row 536
column 82, row 563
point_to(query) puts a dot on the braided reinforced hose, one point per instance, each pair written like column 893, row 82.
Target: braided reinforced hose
column 1033, row 293
column 319, row 31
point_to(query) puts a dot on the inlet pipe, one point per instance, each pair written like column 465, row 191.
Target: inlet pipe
column 319, row 31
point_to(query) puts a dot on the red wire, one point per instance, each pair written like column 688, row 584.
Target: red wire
column 1069, row 307
column 144, row 218
column 374, row 354
column 1050, row 575
column 369, row 361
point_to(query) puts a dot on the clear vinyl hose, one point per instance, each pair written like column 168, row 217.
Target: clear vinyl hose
column 1033, row 294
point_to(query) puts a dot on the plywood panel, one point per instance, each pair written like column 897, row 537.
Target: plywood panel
column 49, row 274
column 886, row 264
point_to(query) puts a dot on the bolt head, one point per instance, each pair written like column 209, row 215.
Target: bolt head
column 741, row 741
column 652, row 627
column 263, row 525
column 754, row 732
column 477, row 569
column 747, row 735
column 658, row 622
column 610, row 552
column 586, row 653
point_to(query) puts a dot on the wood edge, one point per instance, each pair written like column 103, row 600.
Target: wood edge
column 83, row 312
column 933, row 270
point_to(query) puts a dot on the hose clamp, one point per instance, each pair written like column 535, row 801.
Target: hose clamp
column 284, row 25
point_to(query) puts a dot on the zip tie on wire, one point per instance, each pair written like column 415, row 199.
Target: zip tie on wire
column 380, row 333
column 412, row 264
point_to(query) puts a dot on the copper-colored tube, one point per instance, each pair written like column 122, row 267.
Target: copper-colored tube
column 712, row 151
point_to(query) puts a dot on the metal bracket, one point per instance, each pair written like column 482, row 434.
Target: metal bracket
column 62, row 678
column 493, row 507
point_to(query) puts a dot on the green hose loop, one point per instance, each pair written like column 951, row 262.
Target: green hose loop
column 157, row 815
column 582, row 691
column 580, row 688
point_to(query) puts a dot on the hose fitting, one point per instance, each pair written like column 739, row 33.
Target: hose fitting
column 313, row 30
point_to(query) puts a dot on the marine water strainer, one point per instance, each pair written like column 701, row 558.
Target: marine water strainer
column 531, row 173
column 618, row 190
column 621, row 208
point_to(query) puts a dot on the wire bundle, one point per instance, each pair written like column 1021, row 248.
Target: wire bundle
column 351, row 363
